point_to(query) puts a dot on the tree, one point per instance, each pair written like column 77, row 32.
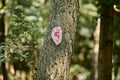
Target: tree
column 105, row 46
column 54, row 59
column 2, row 39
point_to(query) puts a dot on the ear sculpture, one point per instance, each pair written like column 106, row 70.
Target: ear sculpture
column 57, row 35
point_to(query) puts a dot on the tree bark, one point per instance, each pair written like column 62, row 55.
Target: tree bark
column 106, row 43
column 54, row 59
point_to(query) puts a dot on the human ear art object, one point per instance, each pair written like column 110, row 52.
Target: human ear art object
column 56, row 35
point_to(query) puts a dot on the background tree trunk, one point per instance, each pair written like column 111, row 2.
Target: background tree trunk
column 2, row 39
column 54, row 59
column 105, row 46
column 94, row 74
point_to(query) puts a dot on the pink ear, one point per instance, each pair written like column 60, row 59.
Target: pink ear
column 57, row 35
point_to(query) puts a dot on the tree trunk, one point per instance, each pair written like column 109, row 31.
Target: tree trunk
column 2, row 40
column 54, row 59
column 94, row 74
column 105, row 46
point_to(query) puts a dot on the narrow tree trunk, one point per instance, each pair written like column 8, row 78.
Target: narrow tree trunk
column 54, row 59
column 2, row 40
column 94, row 75
column 105, row 46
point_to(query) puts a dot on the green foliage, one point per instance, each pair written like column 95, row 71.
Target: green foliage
column 25, row 30
column 21, row 38
column 77, row 69
column 105, row 2
column 117, row 2
column 116, row 42
column 83, row 48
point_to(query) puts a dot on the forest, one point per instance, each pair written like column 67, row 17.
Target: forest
column 59, row 40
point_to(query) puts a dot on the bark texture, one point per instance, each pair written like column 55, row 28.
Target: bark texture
column 105, row 46
column 54, row 60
